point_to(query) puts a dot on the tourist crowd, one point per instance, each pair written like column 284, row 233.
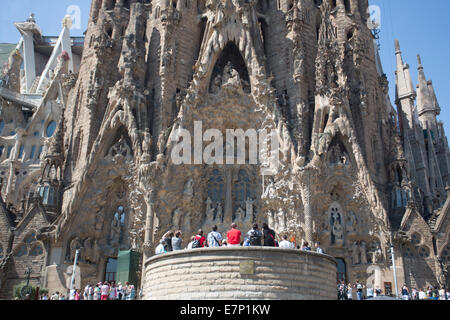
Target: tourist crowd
column 100, row 291
column 172, row 241
column 361, row 292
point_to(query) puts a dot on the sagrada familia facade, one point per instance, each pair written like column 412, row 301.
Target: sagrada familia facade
column 88, row 127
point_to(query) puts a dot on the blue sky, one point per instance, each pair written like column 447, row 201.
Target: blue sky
column 421, row 26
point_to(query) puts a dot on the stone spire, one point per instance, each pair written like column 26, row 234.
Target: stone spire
column 426, row 106
column 405, row 93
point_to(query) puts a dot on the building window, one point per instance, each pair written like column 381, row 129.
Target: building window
column 21, row 152
column 2, row 126
column 41, row 149
column 1, row 252
column 22, row 251
column 415, row 239
column 33, row 152
column 1, row 150
column 37, row 251
column 51, row 128
column 8, row 155
column 111, row 270
column 424, row 252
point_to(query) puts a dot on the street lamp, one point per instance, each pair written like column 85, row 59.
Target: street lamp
column 75, row 262
column 391, row 250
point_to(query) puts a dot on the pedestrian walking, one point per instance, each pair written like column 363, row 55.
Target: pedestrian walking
column 214, row 238
column 405, row 292
column 234, row 236
column 349, row 292
column 119, row 291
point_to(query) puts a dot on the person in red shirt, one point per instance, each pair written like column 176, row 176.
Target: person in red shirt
column 201, row 238
column 234, row 236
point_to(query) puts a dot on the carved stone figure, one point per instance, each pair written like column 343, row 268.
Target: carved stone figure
column 239, row 216
column 176, row 219
column 210, row 210
column 219, row 213
column 189, row 189
column 363, row 252
column 249, row 209
column 74, row 245
column 355, row 253
column 115, row 230
column 351, row 223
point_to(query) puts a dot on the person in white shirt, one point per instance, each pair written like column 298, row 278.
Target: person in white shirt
column 189, row 247
column 422, row 295
column 285, row 244
column 318, row 248
column 161, row 248
column 214, row 238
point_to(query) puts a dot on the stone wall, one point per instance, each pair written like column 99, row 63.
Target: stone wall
column 240, row 273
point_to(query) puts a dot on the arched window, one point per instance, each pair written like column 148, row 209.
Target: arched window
column 242, row 190
column 424, row 252
column 415, row 239
column 51, row 128
column 2, row 126
column 216, row 188
column 30, row 238
column 33, row 152
column 36, row 251
column 21, row 152
column 22, row 251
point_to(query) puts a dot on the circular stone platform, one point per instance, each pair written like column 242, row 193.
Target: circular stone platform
column 243, row 273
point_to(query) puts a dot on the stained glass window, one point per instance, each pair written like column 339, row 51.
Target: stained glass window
column 216, row 188
column 50, row 129
column 36, row 251
column 242, row 189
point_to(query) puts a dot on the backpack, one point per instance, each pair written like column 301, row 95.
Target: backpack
column 255, row 238
column 196, row 244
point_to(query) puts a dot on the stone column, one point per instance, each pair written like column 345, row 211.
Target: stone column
column 306, row 175
column 29, row 62
column 149, row 198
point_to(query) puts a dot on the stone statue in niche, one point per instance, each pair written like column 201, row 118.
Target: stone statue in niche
column 270, row 191
column 337, row 228
column 239, row 215
column 176, row 219
column 249, row 209
column 281, row 221
column 219, row 213
column 363, row 252
column 351, row 222
column 270, row 218
column 99, row 221
column 376, row 253
column 74, row 245
column 210, row 210
column 115, row 230
column 355, row 254
column 88, row 251
column 189, row 189
column 217, row 83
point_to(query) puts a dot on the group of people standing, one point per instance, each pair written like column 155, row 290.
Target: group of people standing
column 266, row 237
column 104, row 291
